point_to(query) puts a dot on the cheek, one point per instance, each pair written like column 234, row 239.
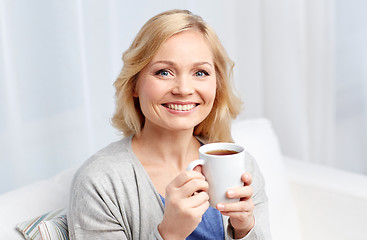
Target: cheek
column 141, row 87
column 149, row 92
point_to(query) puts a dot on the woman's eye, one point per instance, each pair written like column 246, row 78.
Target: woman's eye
column 201, row 73
column 162, row 72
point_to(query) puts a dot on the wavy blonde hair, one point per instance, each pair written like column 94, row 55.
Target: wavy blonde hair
column 128, row 117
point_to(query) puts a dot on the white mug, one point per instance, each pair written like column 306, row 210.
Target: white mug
column 222, row 165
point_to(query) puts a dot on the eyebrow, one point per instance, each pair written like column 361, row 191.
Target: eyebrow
column 173, row 64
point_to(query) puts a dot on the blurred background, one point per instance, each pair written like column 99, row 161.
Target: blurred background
column 300, row 63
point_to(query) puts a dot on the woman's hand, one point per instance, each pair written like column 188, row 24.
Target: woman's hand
column 241, row 213
column 186, row 202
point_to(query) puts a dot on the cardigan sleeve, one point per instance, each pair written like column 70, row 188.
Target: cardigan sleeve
column 92, row 214
column 101, row 206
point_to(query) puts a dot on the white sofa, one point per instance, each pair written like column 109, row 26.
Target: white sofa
column 306, row 201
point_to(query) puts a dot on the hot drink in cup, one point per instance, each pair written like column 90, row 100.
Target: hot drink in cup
column 222, row 165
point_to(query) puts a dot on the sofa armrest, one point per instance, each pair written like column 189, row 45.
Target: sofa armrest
column 331, row 203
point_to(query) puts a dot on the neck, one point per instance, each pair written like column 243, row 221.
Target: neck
column 174, row 148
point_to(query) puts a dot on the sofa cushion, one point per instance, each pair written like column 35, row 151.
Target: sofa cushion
column 54, row 229
column 30, row 228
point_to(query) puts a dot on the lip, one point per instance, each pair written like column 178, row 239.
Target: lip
column 181, row 102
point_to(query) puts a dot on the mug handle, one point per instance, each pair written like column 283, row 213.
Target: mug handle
column 195, row 163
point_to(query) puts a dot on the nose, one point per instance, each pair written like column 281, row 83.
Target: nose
column 183, row 86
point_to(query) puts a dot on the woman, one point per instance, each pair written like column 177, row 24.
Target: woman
column 172, row 95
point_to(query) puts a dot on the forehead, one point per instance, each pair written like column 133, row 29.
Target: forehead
column 186, row 45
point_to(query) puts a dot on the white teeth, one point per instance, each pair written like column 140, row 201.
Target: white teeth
column 179, row 107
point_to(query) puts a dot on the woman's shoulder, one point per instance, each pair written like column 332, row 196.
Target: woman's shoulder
column 112, row 159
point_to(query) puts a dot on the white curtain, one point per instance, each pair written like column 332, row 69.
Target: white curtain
column 351, row 85
column 59, row 60
column 298, row 76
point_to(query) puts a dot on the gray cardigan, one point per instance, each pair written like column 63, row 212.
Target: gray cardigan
column 112, row 197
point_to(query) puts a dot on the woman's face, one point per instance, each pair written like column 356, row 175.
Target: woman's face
column 177, row 88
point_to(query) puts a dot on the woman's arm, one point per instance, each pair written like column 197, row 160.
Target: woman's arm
column 90, row 216
column 96, row 212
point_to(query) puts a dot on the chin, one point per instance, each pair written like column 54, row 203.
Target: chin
column 181, row 127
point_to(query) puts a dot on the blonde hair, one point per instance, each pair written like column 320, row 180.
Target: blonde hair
column 128, row 117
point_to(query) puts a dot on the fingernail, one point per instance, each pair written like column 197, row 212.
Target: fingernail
column 220, row 206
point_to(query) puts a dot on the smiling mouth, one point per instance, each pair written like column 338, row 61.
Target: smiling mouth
column 180, row 107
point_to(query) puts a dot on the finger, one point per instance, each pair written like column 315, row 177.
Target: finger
column 192, row 186
column 199, row 169
column 201, row 209
column 196, row 200
column 185, row 177
column 245, row 192
column 246, row 179
column 240, row 206
column 238, row 215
